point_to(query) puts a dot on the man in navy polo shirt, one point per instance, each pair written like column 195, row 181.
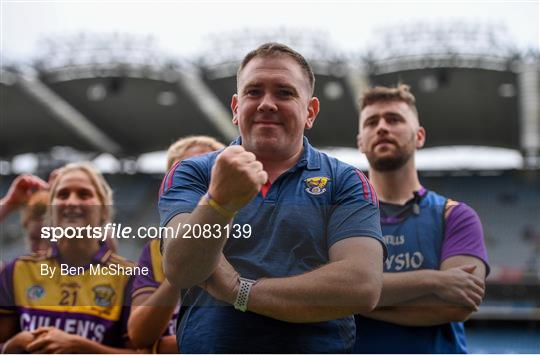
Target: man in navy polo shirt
column 437, row 260
column 304, row 251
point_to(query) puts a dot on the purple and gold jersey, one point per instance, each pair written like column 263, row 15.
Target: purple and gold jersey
column 144, row 284
column 439, row 229
column 91, row 305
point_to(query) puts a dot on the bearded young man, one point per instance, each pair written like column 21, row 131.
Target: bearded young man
column 434, row 274
column 314, row 255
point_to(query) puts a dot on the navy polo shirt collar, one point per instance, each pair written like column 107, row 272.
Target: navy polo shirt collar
column 310, row 157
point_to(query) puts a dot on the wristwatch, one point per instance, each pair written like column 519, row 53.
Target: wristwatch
column 243, row 293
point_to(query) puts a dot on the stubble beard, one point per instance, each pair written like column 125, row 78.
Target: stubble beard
column 391, row 162
column 386, row 164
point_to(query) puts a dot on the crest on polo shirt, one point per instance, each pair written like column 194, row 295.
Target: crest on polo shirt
column 316, row 185
column 103, row 295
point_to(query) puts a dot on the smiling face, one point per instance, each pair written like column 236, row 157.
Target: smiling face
column 273, row 106
column 75, row 202
column 389, row 134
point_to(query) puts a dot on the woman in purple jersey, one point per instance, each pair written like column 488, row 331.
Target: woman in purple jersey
column 30, row 194
column 154, row 300
column 73, row 313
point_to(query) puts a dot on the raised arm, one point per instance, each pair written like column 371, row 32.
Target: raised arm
column 235, row 179
column 19, row 192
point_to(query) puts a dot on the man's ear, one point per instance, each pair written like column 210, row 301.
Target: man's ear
column 313, row 111
column 234, row 109
column 420, row 137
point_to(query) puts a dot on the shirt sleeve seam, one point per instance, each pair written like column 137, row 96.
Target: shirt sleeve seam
column 468, row 253
column 174, row 213
column 361, row 235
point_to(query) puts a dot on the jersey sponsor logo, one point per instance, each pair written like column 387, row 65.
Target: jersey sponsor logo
column 103, row 295
column 35, row 292
column 316, row 185
column 394, row 239
column 404, row 261
column 85, row 328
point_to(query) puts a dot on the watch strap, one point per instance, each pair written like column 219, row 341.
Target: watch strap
column 243, row 294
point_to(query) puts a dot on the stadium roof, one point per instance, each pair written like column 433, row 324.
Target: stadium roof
column 120, row 95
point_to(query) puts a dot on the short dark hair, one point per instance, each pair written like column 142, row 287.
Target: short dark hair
column 272, row 49
column 401, row 92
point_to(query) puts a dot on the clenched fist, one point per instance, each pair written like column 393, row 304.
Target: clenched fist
column 237, row 176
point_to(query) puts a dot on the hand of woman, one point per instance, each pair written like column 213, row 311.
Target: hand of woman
column 18, row 343
column 49, row 340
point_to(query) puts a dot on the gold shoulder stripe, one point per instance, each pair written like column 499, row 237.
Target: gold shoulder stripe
column 450, row 204
column 157, row 261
